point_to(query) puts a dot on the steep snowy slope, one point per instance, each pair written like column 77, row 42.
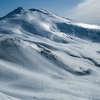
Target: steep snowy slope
column 47, row 57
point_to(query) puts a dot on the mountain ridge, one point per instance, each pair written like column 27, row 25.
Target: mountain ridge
column 51, row 23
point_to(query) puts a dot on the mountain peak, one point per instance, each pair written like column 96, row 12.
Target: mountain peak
column 19, row 10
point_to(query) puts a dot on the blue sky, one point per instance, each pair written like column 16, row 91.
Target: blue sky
column 79, row 10
column 58, row 6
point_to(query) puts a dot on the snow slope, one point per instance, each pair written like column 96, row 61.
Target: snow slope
column 46, row 57
column 5, row 97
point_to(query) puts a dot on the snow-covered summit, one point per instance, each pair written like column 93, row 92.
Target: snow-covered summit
column 19, row 10
column 44, row 23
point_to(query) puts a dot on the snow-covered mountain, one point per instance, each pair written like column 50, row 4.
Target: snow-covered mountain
column 47, row 57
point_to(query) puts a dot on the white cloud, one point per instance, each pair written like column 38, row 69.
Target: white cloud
column 87, row 11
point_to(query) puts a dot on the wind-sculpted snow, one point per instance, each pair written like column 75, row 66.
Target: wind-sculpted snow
column 81, row 32
column 32, row 67
column 46, row 24
column 41, row 58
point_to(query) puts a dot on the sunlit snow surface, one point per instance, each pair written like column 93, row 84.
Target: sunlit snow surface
column 38, row 61
column 87, row 25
